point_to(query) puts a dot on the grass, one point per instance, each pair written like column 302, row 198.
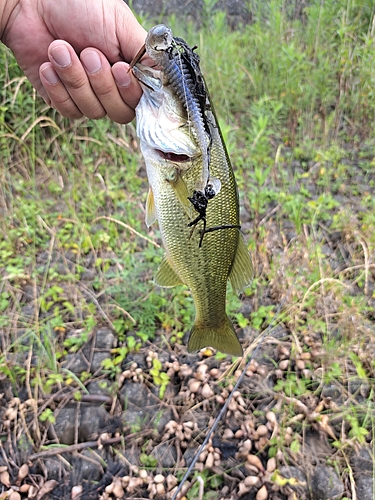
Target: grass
column 295, row 97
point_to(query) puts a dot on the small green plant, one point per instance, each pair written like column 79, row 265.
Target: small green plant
column 292, row 385
column 148, row 460
column 47, row 416
column 261, row 316
column 159, row 377
column 357, row 431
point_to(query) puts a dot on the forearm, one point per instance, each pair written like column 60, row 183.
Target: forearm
column 6, row 9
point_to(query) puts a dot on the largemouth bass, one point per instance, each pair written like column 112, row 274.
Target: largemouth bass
column 176, row 139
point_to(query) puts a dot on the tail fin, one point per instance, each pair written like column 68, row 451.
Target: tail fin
column 223, row 338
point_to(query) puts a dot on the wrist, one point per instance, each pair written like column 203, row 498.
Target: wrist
column 6, row 9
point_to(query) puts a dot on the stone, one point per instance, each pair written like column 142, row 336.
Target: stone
column 302, row 487
column 136, row 418
column 362, row 462
column 92, row 421
column 76, row 363
column 55, row 467
column 88, row 469
column 325, row 484
column 333, row 392
column 316, row 446
column 64, row 424
column 138, row 394
column 165, row 454
column 364, row 486
column 28, row 311
column 97, row 359
column 103, row 387
column 105, row 339
column 162, row 417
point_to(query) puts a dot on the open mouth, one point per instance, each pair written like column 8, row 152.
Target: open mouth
column 173, row 156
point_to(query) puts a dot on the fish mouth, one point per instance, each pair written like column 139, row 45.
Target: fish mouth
column 174, row 157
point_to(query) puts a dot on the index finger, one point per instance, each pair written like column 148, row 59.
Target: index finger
column 127, row 85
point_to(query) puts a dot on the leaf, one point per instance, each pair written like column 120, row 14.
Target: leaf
column 295, row 446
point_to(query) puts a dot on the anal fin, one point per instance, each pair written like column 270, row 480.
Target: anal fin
column 166, row 276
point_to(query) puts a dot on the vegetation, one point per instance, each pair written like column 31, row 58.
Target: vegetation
column 296, row 99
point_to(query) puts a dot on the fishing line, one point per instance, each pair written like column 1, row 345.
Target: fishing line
column 237, row 384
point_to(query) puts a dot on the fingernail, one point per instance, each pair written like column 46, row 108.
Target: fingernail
column 61, row 55
column 122, row 76
column 91, row 60
column 50, row 75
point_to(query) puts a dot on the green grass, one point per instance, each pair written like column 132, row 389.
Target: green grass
column 295, row 97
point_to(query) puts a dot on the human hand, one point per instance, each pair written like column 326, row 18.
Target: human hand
column 66, row 50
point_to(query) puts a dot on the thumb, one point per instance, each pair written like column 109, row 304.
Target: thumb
column 130, row 34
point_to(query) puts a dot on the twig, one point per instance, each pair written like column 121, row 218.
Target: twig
column 93, row 298
column 129, row 228
column 74, row 447
column 82, row 446
column 366, row 254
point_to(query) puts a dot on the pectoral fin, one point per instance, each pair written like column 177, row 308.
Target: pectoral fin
column 150, row 208
column 180, row 188
column 166, row 276
column 242, row 272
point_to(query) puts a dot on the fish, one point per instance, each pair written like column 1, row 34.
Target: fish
column 202, row 259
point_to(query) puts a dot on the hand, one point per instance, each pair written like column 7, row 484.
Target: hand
column 66, row 50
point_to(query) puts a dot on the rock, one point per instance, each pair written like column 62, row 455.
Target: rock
column 138, row 394
column 162, row 417
column 325, row 484
column 137, row 418
column 333, row 392
column 316, row 446
column 28, row 311
column 228, row 448
column 141, row 405
column 362, row 462
column 88, row 469
column 302, row 487
column 62, row 269
column 76, row 363
column 98, row 357
column 92, row 421
column 105, row 339
column 64, row 425
column 135, row 357
column 364, row 486
column 55, row 467
column 189, row 455
column 88, row 275
column 100, row 387
column 359, row 389
column 165, row 454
